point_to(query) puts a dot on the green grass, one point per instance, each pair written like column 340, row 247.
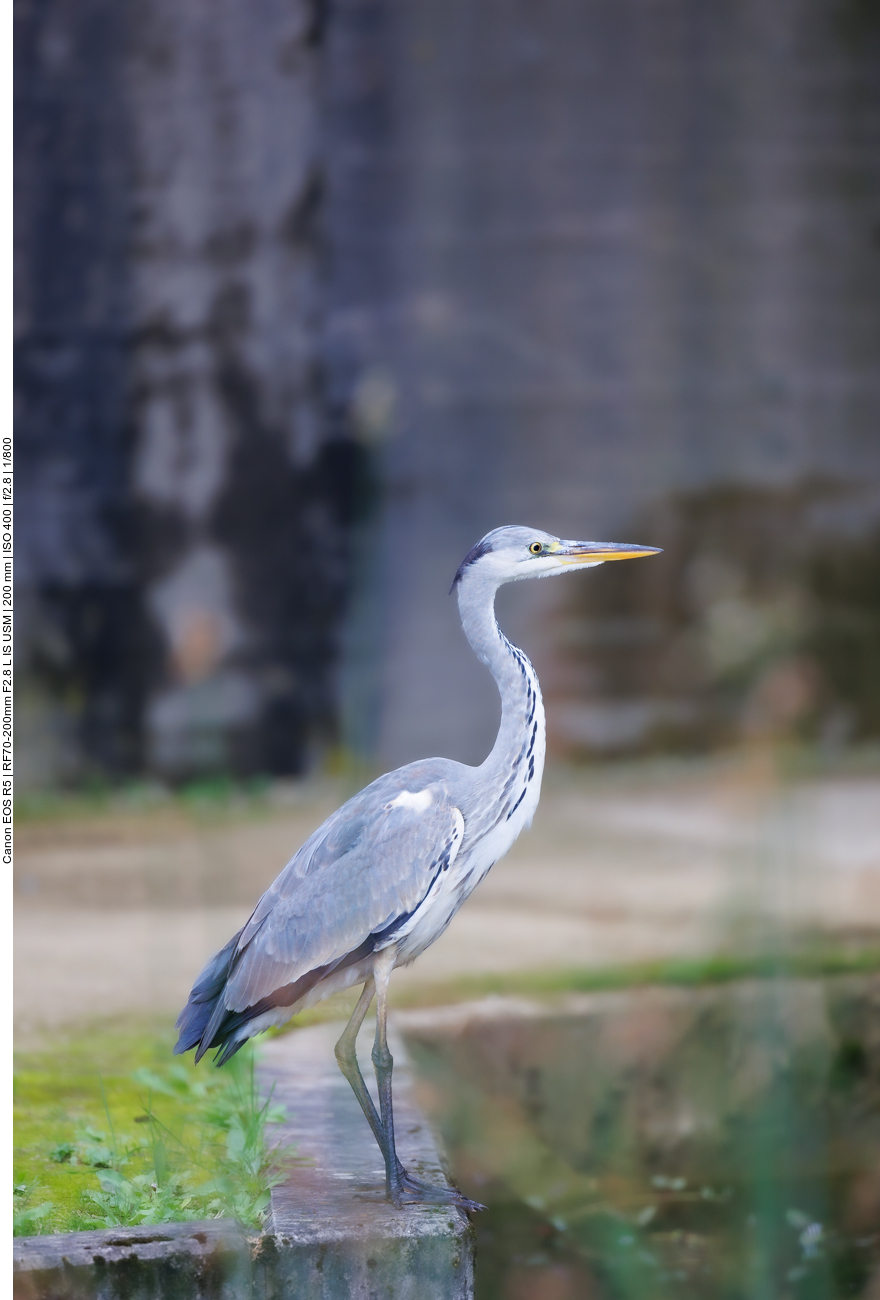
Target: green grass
column 111, row 1130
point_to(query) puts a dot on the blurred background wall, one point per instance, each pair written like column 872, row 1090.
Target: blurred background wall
column 187, row 493
column 313, row 296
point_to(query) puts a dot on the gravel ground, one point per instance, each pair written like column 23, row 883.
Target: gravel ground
column 116, row 913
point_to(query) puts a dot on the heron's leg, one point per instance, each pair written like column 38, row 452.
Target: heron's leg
column 383, row 964
column 401, row 1186
column 346, row 1055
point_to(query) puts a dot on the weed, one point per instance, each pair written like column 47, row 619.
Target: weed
column 142, row 1198
column 63, row 1152
column 233, row 1122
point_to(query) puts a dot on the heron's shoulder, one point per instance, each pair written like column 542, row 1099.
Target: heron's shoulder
column 417, row 777
column 426, row 787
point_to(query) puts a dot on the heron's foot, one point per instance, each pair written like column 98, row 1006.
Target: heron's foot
column 412, row 1191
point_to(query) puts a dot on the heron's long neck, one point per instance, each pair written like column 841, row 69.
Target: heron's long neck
column 521, row 734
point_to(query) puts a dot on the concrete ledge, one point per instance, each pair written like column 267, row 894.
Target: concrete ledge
column 331, row 1236
column 331, row 1225
column 173, row 1260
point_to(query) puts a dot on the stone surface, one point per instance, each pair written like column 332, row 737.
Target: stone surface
column 331, row 1224
column 172, row 1260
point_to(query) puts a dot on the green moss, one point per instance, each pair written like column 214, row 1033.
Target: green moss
column 110, row 1129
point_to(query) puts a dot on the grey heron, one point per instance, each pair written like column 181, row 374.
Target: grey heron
column 382, row 878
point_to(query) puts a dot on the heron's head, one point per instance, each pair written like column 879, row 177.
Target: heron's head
column 511, row 553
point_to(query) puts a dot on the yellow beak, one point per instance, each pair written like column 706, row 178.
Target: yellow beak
column 599, row 552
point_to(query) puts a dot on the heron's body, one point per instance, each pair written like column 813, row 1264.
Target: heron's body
column 383, row 877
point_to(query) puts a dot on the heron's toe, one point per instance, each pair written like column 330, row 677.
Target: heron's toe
column 415, row 1192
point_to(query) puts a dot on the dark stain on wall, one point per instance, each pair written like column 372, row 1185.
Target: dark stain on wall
column 186, row 489
column 83, row 637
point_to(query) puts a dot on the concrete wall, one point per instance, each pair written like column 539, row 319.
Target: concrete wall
column 601, row 252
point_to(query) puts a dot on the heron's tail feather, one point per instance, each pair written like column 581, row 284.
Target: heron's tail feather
column 199, row 1010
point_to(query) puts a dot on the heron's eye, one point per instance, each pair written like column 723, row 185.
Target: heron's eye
column 536, row 548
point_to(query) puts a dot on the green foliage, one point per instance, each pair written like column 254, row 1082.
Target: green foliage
column 142, row 1198
column 235, row 1120
column 28, row 1218
column 202, row 1148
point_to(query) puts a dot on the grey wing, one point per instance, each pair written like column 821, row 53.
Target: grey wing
column 358, row 879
